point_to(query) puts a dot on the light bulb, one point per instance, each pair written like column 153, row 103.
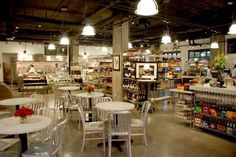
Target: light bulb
column 51, row 46
column 232, row 29
column 166, row 39
column 88, row 30
column 64, row 41
column 214, row 45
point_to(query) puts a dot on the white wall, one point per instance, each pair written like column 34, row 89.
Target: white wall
column 93, row 50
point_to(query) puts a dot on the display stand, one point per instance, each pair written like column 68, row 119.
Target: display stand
column 215, row 109
column 185, row 101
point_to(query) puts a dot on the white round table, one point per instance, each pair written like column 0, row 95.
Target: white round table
column 104, row 108
column 16, row 101
column 115, row 106
column 89, row 96
column 12, row 126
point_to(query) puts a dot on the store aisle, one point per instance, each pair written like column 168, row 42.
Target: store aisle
column 167, row 137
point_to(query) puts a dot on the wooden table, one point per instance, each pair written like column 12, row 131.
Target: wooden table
column 12, row 126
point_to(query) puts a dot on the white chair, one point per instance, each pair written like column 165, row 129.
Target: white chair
column 10, row 147
column 101, row 114
column 50, row 149
column 44, row 135
column 119, row 126
column 37, row 103
column 138, row 126
column 89, row 128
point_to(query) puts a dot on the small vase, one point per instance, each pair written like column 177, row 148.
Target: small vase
column 23, row 120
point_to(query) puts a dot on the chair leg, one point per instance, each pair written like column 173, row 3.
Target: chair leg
column 144, row 136
column 59, row 153
column 130, row 151
column 103, row 138
column 109, row 146
column 82, row 149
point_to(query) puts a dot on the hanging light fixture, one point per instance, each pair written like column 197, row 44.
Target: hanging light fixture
column 214, row 45
column 147, row 8
column 130, row 46
column 88, row 29
column 104, row 49
column 166, row 39
column 51, row 46
column 232, row 28
column 64, row 40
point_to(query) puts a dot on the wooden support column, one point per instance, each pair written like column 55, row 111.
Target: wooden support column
column 120, row 45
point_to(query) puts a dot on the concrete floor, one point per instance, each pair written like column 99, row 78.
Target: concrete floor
column 166, row 136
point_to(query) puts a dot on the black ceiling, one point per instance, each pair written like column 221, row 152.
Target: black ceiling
column 187, row 19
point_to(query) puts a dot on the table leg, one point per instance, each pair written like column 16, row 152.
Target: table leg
column 24, row 142
column 90, row 107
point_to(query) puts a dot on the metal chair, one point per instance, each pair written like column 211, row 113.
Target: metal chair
column 119, row 125
column 37, row 103
column 91, row 128
column 50, row 149
column 138, row 126
column 44, row 135
column 100, row 114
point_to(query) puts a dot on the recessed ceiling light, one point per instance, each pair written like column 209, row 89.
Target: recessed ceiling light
column 39, row 26
column 17, row 27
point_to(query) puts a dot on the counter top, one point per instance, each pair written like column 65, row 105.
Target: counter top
column 228, row 90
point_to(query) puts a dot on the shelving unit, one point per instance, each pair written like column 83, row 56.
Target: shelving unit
column 183, row 103
column 34, row 84
column 215, row 109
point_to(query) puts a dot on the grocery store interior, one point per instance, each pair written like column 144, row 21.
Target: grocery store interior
column 118, row 78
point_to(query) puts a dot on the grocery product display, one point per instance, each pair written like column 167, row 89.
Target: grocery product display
column 216, row 112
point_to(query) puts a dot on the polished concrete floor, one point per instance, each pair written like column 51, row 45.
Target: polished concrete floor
column 167, row 137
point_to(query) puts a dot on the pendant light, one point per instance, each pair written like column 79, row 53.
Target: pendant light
column 51, row 46
column 214, row 45
column 232, row 28
column 64, row 40
column 130, row 46
column 147, row 8
column 88, row 29
column 166, row 39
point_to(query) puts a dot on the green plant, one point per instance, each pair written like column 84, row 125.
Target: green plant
column 220, row 61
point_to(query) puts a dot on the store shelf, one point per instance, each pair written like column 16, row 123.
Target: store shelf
column 217, row 131
column 217, row 117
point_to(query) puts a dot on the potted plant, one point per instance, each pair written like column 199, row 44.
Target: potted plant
column 219, row 61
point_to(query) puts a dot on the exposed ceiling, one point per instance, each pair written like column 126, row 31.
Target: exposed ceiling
column 43, row 20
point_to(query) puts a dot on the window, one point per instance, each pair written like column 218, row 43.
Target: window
column 199, row 55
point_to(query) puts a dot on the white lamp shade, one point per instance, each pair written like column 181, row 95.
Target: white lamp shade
column 104, row 49
column 64, row 41
column 51, row 46
column 130, row 46
column 232, row 29
column 214, row 45
column 88, row 30
column 147, row 8
column 166, row 39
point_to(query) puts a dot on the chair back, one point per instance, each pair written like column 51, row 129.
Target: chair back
column 102, row 99
column 51, row 113
column 57, row 136
column 120, row 122
column 37, row 103
column 82, row 115
column 145, row 108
